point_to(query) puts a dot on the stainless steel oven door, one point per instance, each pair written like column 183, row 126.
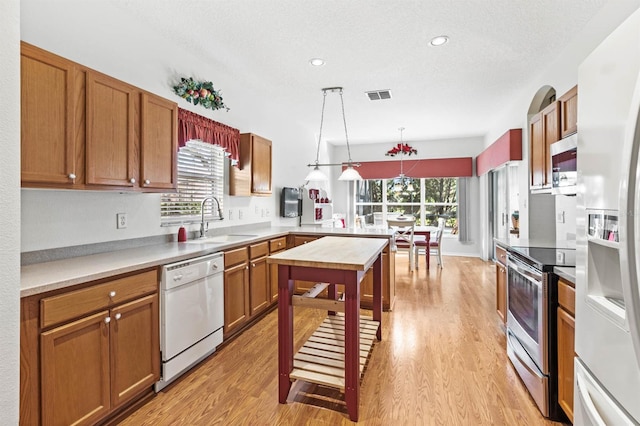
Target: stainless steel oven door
column 527, row 310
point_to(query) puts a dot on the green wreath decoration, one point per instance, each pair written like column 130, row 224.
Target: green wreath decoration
column 199, row 93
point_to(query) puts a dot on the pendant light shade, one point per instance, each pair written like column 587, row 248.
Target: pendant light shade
column 350, row 174
column 316, row 175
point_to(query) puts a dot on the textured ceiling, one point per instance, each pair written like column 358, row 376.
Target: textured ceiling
column 495, row 47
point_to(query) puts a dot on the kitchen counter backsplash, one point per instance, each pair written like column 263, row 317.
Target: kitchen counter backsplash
column 51, row 275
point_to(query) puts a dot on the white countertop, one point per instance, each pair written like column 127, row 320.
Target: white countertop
column 42, row 277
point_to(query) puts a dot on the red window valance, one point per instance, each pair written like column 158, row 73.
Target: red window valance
column 194, row 126
column 425, row 168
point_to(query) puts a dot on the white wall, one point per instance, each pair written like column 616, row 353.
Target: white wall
column 10, row 217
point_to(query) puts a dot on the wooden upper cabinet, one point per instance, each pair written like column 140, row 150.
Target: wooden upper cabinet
column 48, row 100
column 569, row 112
column 252, row 175
column 111, row 131
column 158, row 142
column 551, row 128
column 544, row 129
column 260, row 166
column 82, row 129
column 536, row 152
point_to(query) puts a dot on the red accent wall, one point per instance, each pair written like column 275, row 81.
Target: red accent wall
column 508, row 147
column 425, row 168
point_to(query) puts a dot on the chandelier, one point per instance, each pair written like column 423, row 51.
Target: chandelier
column 402, row 182
column 350, row 173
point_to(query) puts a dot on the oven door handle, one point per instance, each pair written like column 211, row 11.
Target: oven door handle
column 526, row 271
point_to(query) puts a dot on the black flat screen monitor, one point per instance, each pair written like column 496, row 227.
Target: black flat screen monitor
column 290, row 202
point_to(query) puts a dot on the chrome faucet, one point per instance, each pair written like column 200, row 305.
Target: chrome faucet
column 202, row 231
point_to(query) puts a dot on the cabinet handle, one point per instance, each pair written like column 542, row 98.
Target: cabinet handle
column 246, row 267
column 279, row 244
column 253, row 265
column 72, row 175
column 107, row 320
column 147, row 181
column 112, row 294
column 132, row 180
column 118, row 316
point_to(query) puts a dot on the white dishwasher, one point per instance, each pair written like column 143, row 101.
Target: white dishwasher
column 191, row 313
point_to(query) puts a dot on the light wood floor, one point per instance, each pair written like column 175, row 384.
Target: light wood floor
column 442, row 360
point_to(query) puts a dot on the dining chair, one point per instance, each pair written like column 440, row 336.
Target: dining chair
column 403, row 236
column 432, row 246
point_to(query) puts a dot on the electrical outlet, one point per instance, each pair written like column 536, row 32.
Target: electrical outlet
column 121, row 220
column 257, row 210
column 560, row 217
column 267, row 212
column 240, row 214
column 560, row 257
column 230, row 214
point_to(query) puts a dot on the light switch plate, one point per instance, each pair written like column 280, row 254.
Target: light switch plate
column 560, row 257
column 121, row 220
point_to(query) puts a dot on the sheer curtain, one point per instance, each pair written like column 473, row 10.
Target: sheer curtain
column 463, row 209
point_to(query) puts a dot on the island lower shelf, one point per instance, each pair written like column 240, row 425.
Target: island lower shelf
column 321, row 359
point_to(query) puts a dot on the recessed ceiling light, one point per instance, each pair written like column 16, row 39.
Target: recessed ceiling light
column 439, row 41
column 316, row 62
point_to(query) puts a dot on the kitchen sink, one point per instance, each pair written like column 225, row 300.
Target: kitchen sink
column 222, row 238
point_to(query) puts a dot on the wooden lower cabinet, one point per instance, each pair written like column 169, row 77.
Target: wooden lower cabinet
column 566, row 346
column 134, row 332
column 75, row 372
column 92, row 363
column 275, row 246
column 300, row 287
column 259, row 291
column 236, row 298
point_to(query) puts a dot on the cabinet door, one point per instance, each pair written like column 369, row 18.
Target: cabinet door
column 135, row 348
column 75, row 372
column 236, row 298
column 260, row 166
column 259, row 296
column 501, row 292
column 158, row 142
column 112, row 128
column 569, row 112
column 303, row 286
column 47, row 106
column 566, row 353
column 536, row 151
column 551, row 129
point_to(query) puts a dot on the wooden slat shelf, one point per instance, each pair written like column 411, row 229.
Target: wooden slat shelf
column 321, row 359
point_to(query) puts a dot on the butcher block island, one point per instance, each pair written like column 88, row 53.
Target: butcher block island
column 336, row 352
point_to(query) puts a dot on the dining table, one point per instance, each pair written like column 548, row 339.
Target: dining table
column 336, row 353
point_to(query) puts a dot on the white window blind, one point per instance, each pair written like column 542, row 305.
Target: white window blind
column 200, row 175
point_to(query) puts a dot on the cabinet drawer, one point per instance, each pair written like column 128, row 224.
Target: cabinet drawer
column 277, row 244
column 567, row 296
column 235, row 257
column 299, row 240
column 258, row 250
column 74, row 304
column 501, row 255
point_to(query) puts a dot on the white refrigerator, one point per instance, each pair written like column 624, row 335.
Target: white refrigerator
column 607, row 345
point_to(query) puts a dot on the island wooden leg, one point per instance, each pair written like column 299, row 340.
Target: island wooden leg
column 285, row 331
column 333, row 295
column 377, row 295
column 352, row 344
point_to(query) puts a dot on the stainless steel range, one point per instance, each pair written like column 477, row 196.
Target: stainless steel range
column 532, row 298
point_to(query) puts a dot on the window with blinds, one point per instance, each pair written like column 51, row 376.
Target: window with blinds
column 200, row 175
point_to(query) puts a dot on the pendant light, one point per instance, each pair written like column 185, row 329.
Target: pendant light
column 398, row 186
column 350, row 173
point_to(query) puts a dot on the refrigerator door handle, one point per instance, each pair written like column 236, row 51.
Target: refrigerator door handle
column 630, row 222
column 587, row 403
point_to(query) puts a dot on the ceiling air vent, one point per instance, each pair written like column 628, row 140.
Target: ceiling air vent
column 377, row 95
